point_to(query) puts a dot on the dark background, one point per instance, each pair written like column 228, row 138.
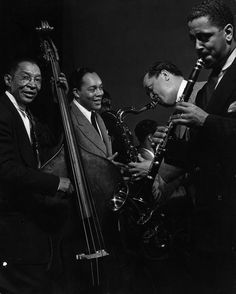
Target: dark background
column 118, row 38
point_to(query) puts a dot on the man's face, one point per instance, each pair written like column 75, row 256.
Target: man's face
column 91, row 92
column 25, row 83
column 161, row 89
column 211, row 42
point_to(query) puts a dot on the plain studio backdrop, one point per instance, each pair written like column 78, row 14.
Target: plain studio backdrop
column 120, row 39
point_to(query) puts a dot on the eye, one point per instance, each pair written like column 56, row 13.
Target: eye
column 91, row 90
column 204, row 38
column 38, row 79
column 25, row 78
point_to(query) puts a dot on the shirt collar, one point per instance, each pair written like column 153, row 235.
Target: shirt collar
column 14, row 102
column 85, row 111
column 229, row 60
column 181, row 90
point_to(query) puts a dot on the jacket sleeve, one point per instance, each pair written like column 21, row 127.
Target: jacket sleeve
column 220, row 129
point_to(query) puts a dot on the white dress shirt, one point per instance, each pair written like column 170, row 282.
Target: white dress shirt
column 227, row 64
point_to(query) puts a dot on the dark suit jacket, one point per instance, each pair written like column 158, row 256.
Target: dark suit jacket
column 212, row 152
column 214, row 143
column 87, row 137
column 22, row 187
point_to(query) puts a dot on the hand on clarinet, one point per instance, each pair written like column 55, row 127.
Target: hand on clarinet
column 189, row 115
column 159, row 135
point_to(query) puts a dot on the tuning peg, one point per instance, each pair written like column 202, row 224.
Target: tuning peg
column 45, row 27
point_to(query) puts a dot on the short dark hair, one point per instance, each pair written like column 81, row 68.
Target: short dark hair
column 13, row 65
column 144, row 128
column 216, row 10
column 77, row 75
column 156, row 68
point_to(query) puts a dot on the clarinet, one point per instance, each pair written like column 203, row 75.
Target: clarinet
column 161, row 148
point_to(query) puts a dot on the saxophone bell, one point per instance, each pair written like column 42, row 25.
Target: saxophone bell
column 119, row 197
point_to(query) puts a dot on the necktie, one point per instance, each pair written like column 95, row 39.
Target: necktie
column 94, row 122
column 33, row 136
column 210, row 86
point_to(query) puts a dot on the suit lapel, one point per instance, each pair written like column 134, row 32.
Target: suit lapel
column 23, row 141
column 106, row 138
column 223, row 91
column 88, row 130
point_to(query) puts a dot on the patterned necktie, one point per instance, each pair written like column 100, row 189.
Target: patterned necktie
column 94, row 122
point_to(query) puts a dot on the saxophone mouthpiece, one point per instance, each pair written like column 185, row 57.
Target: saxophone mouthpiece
column 152, row 104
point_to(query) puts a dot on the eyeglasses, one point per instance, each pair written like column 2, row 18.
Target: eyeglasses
column 26, row 79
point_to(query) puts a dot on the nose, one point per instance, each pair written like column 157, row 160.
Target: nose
column 153, row 95
column 198, row 44
column 99, row 92
column 32, row 83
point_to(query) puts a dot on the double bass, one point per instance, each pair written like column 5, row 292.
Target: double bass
column 86, row 168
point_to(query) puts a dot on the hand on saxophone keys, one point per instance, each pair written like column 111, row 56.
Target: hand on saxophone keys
column 139, row 170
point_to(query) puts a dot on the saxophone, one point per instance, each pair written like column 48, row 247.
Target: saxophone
column 153, row 235
column 131, row 152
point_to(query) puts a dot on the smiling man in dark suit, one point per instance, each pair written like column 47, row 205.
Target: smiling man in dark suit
column 25, row 244
column 87, row 91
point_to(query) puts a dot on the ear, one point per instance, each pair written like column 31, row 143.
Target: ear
column 7, row 80
column 229, row 32
column 75, row 92
column 149, row 138
column 165, row 75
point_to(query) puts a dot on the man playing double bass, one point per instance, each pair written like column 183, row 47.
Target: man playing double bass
column 25, row 191
column 92, row 136
column 86, row 91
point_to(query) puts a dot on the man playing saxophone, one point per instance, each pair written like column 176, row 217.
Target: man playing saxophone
column 164, row 82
